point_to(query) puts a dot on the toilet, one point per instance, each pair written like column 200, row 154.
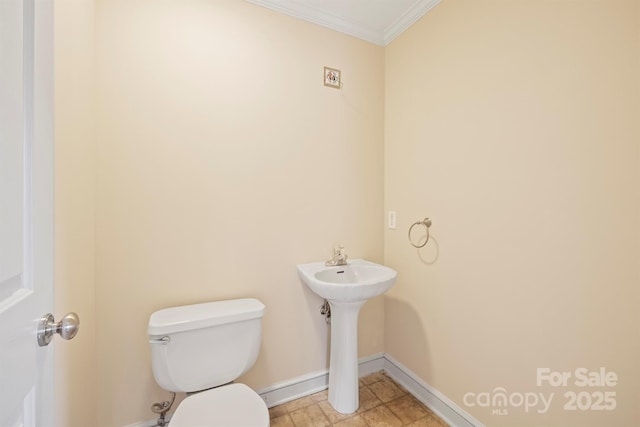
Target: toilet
column 200, row 350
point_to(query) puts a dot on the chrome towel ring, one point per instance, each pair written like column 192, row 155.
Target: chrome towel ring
column 426, row 223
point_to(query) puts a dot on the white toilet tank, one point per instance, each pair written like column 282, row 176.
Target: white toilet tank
column 196, row 347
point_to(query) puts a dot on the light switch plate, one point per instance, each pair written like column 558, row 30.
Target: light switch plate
column 392, row 220
column 332, row 78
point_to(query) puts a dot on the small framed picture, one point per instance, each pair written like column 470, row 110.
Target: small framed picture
column 332, row 78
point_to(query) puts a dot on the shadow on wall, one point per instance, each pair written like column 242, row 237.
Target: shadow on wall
column 320, row 327
column 408, row 333
column 430, row 253
column 423, row 240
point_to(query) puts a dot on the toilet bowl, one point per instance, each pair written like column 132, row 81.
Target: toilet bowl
column 234, row 405
column 201, row 349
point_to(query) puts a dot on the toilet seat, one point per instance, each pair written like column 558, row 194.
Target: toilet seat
column 234, row 405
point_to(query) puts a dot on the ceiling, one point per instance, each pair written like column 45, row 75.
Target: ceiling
column 376, row 21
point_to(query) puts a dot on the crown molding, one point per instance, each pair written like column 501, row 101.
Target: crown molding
column 355, row 29
column 322, row 18
column 414, row 13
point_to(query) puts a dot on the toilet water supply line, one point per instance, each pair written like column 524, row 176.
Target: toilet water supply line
column 162, row 408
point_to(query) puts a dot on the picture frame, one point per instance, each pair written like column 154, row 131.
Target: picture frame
column 332, row 78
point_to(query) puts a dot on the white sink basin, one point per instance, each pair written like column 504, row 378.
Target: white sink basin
column 357, row 281
column 347, row 288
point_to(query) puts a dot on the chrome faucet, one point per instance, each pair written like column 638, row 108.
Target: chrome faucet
column 339, row 257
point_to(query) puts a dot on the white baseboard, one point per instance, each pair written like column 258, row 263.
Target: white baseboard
column 370, row 364
column 433, row 399
column 148, row 423
column 314, row 382
column 305, row 385
column 295, row 388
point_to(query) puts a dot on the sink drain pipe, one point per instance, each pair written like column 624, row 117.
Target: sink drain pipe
column 325, row 310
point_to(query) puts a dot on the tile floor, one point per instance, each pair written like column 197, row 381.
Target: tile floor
column 382, row 403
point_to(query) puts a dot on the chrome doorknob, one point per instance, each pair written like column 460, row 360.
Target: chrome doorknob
column 67, row 328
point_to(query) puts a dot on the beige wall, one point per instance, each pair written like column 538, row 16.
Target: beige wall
column 223, row 162
column 75, row 374
column 515, row 127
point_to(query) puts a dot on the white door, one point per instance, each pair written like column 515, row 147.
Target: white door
column 26, row 210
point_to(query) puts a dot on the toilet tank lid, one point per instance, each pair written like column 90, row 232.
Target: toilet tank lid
column 196, row 316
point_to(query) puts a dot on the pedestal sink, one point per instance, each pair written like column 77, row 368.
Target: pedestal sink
column 347, row 288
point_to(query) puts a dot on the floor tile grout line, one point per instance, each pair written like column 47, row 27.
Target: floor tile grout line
column 303, row 406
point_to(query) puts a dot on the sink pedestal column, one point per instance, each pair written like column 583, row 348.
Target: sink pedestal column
column 343, row 365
